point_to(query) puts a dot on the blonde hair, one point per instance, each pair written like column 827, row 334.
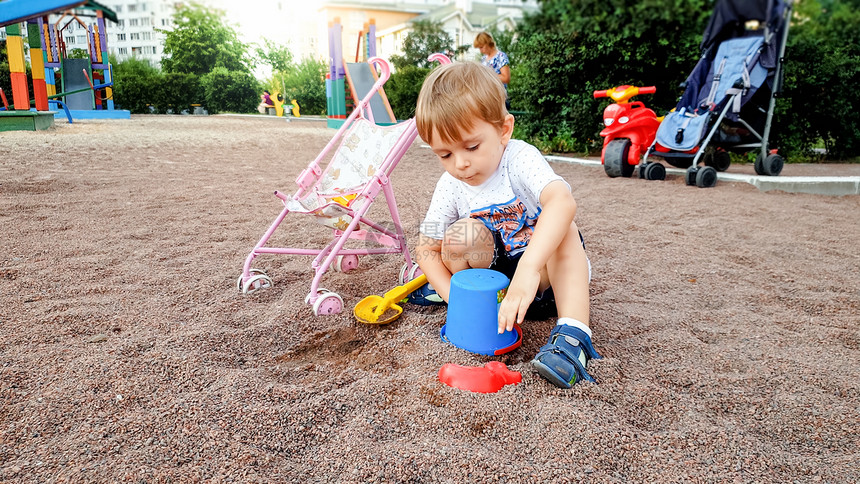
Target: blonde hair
column 484, row 38
column 454, row 96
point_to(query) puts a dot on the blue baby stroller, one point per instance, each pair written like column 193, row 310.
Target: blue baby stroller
column 729, row 98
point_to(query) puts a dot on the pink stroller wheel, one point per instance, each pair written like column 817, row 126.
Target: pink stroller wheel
column 408, row 273
column 346, row 263
column 328, row 303
column 257, row 280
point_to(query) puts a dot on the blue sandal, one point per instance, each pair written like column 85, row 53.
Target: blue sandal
column 425, row 296
column 558, row 360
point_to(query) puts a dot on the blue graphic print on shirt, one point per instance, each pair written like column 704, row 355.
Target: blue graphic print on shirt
column 511, row 221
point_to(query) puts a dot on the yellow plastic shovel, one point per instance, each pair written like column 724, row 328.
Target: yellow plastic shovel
column 370, row 309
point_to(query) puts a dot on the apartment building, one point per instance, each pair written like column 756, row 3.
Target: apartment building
column 136, row 34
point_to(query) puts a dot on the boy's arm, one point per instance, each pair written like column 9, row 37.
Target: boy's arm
column 429, row 258
column 557, row 211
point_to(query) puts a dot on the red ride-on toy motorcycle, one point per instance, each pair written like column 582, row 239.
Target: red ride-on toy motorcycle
column 630, row 130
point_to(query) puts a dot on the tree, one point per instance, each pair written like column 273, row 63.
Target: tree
column 277, row 56
column 201, row 41
column 304, row 82
column 426, row 38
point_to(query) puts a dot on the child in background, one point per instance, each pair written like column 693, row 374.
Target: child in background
column 265, row 102
column 500, row 206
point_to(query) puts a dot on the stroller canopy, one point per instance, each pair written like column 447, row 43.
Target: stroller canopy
column 728, row 22
column 729, row 16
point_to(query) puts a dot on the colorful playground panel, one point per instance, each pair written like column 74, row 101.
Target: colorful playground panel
column 48, row 60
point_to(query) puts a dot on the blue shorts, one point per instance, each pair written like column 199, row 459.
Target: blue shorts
column 543, row 306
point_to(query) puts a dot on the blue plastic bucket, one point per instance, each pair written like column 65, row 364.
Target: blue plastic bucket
column 473, row 313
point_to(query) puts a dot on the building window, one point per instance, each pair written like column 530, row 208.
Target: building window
column 135, row 51
column 134, row 36
column 82, row 39
column 145, row 21
column 132, row 22
column 146, row 35
column 70, row 39
column 123, row 50
column 117, row 8
column 132, row 8
column 120, row 37
column 165, row 22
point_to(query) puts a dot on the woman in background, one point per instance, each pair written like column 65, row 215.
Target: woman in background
column 496, row 60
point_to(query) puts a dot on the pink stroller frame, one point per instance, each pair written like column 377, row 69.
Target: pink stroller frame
column 340, row 196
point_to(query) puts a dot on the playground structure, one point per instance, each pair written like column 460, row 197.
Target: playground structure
column 85, row 84
column 359, row 77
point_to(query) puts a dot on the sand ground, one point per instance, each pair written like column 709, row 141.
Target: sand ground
column 728, row 319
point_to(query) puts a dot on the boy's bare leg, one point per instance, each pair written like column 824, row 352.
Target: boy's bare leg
column 563, row 360
column 568, row 274
column 468, row 243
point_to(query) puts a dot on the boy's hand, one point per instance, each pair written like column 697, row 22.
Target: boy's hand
column 520, row 295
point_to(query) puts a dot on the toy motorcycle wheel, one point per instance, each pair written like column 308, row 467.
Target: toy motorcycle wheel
column 655, row 171
column 706, row 177
column 615, row 159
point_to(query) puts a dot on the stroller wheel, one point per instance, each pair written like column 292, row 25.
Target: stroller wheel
column 655, row 171
column 346, row 263
column 258, row 280
column 615, row 158
column 408, row 273
column 328, row 303
column 690, row 177
column 719, row 159
column 414, row 273
column 706, row 177
column 771, row 166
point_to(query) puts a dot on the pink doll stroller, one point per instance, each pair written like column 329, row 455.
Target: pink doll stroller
column 339, row 196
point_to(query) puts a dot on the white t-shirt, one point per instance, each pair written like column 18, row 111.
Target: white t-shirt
column 507, row 203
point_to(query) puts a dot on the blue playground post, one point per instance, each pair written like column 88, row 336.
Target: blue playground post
column 371, row 39
column 337, row 106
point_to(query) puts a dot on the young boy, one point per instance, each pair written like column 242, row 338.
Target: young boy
column 500, row 206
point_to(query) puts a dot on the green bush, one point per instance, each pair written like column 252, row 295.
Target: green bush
column 136, row 85
column 304, row 82
column 822, row 72
column 230, row 91
column 402, row 90
column 177, row 92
